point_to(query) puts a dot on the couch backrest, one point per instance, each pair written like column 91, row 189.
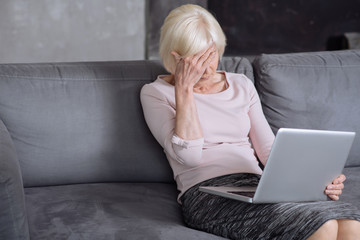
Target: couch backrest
column 237, row 65
column 318, row 90
column 83, row 122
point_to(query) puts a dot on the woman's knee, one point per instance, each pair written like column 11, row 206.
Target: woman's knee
column 331, row 227
column 349, row 229
column 329, row 230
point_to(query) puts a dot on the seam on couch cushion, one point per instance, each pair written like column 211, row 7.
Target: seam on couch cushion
column 77, row 64
column 76, row 79
column 269, row 66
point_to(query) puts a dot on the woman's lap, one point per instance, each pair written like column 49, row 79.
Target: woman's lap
column 238, row 220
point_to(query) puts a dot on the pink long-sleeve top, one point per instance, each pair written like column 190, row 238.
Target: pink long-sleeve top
column 234, row 127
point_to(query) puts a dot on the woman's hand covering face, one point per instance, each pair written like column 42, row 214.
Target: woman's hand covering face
column 190, row 69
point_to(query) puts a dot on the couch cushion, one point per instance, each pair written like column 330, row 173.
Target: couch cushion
column 107, row 211
column 81, row 122
column 318, row 90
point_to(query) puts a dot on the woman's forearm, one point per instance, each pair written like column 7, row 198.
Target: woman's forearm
column 187, row 123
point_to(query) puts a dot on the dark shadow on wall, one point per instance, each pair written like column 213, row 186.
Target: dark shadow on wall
column 278, row 26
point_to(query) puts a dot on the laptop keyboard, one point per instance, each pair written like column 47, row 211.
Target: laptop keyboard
column 247, row 194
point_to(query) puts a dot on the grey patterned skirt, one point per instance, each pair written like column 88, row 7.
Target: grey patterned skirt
column 238, row 220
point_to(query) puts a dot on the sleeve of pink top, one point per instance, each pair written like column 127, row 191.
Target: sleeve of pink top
column 260, row 134
column 160, row 118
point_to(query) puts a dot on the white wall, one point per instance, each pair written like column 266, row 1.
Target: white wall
column 71, row 30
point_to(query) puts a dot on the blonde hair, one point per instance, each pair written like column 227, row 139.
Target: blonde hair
column 188, row 30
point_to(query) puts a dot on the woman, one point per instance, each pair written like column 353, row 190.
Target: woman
column 204, row 120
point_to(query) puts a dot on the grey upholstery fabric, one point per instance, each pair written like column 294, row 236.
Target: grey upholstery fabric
column 237, row 65
column 81, row 122
column 351, row 193
column 13, row 221
column 312, row 90
column 110, row 211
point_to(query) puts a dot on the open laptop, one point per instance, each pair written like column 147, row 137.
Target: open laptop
column 300, row 166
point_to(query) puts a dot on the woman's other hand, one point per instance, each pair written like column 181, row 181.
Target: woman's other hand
column 189, row 70
column 334, row 190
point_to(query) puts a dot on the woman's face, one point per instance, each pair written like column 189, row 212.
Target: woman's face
column 211, row 69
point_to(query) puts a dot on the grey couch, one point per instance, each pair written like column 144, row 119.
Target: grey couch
column 77, row 160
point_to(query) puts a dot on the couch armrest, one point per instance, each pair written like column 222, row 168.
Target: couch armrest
column 13, row 221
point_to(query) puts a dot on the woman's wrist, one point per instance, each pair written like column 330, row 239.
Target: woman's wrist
column 184, row 93
column 184, row 87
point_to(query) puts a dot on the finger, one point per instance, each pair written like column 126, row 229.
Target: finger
column 211, row 50
column 176, row 56
column 208, row 57
column 208, row 61
column 334, row 197
column 339, row 179
column 333, row 192
column 335, row 186
column 203, row 55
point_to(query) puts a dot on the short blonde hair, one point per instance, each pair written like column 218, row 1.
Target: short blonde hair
column 188, row 30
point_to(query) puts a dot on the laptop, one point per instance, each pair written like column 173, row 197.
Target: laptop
column 300, row 165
